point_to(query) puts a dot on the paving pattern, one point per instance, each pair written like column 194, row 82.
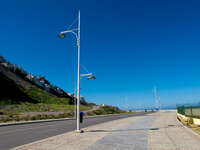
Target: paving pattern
column 171, row 135
column 79, row 141
column 158, row 131
column 131, row 136
column 15, row 135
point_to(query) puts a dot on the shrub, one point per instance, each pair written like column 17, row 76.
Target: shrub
column 190, row 121
column 90, row 113
column 107, row 110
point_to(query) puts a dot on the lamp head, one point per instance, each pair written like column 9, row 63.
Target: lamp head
column 91, row 78
column 62, row 35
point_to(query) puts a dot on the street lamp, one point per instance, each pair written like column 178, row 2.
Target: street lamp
column 76, row 33
column 89, row 76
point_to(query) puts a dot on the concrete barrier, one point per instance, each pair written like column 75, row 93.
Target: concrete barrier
column 196, row 121
column 182, row 116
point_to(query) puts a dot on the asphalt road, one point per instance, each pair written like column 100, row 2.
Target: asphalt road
column 16, row 135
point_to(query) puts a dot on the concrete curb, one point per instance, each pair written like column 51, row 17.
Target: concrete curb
column 188, row 129
column 31, row 122
column 50, row 120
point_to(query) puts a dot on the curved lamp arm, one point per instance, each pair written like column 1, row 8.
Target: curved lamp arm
column 62, row 34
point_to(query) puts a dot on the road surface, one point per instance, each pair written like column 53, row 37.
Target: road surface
column 16, row 135
column 157, row 131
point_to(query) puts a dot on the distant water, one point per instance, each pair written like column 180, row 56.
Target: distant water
column 142, row 109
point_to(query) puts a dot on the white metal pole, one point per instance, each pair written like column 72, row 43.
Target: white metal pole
column 155, row 96
column 78, row 83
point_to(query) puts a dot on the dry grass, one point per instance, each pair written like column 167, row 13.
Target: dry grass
column 190, row 124
column 195, row 128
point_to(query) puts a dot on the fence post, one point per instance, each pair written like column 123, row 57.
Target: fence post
column 191, row 111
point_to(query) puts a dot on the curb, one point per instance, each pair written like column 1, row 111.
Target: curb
column 62, row 119
column 188, row 129
column 32, row 122
column 51, row 120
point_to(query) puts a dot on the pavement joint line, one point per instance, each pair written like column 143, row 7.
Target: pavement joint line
column 188, row 129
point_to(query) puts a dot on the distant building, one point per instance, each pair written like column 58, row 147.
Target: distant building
column 13, row 67
column 47, row 87
column 58, row 90
column 5, row 64
column 29, row 77
column 37, row 82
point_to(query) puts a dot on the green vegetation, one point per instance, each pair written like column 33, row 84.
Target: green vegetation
column 21, row 100
column 105, row 110
column 17, row 109
column 35, row 117
column 42, row 96
column 25, row 111
column 11, row 93
column 18, row 103
column 29, row 111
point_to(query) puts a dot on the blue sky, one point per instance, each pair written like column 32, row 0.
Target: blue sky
column 130, row 46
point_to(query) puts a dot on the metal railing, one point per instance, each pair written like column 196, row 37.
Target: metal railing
column 189, row 111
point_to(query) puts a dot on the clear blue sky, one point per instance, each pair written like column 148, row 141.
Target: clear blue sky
column 130, row 46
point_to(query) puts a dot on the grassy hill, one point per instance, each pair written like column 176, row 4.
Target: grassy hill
column 20, row 99
column 12, row 93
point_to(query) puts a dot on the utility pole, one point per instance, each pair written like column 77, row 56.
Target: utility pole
column 157, row 99
column 78, row 82
column 76, row 32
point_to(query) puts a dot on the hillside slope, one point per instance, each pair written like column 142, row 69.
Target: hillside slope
column 24, row 96
column 15, row 90
column 11, row 93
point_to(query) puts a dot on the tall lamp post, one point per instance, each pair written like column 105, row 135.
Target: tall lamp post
column 76, row 33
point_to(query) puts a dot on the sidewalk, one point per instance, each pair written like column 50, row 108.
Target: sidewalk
column 172, row 135
column 159, row 131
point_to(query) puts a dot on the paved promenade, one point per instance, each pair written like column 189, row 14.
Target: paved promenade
column 158, row 131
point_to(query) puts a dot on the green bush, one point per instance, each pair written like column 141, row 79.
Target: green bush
column 90, row 113
column 107, row 110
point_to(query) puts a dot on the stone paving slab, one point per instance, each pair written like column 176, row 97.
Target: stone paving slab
column 131, row 136
column 171, row 135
